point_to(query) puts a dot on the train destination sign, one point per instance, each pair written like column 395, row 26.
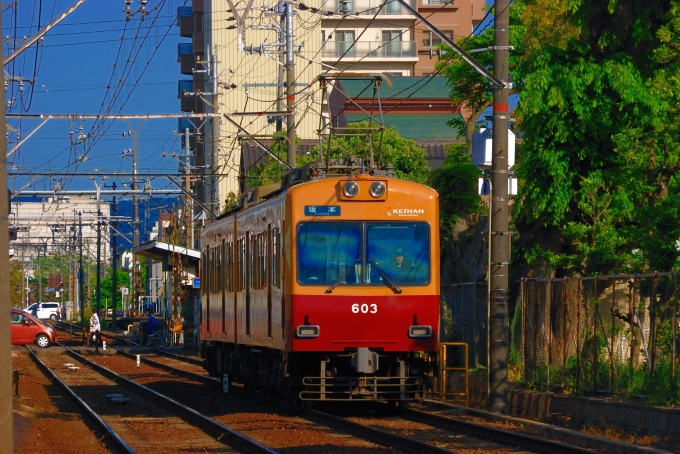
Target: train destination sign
column 322, row 210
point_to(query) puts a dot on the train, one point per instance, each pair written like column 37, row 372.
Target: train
column 325, row 287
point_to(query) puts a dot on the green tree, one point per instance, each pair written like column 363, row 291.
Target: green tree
column 456, row 182
column 17, row 284
column 463, row 246
column 266, row 170
column 598, row 173
column 408, row 159
column 470, row 89
column 108, row 296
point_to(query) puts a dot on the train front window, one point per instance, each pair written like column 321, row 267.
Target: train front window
column 363, row 253
column 400, row 251
column 328, row 250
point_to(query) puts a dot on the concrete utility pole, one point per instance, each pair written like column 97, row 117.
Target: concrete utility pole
column 500, row 236
column 188, row 200
column 81, row 272
column 135, row 200
column 114, row 263
column 499, row 253
column 99, row 247
column 210, row 192
column 135, row 159
column 6, row 422
column 290, row 86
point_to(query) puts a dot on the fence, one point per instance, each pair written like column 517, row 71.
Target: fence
column 464, row 318
column 602, row 334
column 598, row 334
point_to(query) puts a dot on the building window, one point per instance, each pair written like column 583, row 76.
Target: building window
column 431, row 40
column 391, row 35
column 344, row 35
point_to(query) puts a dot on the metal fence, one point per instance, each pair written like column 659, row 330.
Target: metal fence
column 601, row 334
column 464, row 318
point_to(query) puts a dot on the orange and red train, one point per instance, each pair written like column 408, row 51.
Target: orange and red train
column 327, row 290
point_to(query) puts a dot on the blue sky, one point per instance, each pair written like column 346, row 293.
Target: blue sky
column 78, row 59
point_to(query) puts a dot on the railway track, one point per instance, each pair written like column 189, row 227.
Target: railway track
column 408, row 430
column 134, row 417
column 403, row 430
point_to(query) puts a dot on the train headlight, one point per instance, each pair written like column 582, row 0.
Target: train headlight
column 377, row 189
column 350, row 189
column 307, row 331
column 419, row 331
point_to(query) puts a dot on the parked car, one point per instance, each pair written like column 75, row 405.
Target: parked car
column 26, row 329
column 45, row 310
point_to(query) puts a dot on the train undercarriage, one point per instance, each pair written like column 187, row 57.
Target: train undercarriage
column 356, row 374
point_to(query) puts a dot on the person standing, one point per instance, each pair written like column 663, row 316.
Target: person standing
column 95, row 327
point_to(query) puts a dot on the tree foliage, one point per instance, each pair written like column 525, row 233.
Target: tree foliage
column 456, row 182
column 408, row 159
column 470, row 89
column 601, row 157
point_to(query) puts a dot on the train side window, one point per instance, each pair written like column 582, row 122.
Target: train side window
column 275, row 241
column 204, row 264
column 241, row 264
column 228, row 249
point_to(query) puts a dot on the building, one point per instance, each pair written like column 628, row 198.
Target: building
column 58, row 227
column 360, row 37
column 238, row 70
column 417, row 107
column 235, row 67
column 455, row 18
column 52, row 226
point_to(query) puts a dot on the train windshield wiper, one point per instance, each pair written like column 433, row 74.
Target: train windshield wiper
column 342, row 276
column 387, row 280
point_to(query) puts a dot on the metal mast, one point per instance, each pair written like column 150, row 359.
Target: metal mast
column 500, row 236
column 290, row 86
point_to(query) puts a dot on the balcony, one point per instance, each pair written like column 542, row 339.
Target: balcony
column 370, row 49
column 369, row 7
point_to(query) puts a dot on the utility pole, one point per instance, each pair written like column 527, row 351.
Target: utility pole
column 99, row 247
column 81, row 272
column 188, row 200
column 6, row 415
column 135, row 200
column 282, row 60
column 209, row 180
column 500, row 236
column 290, row 85
column 114, row 259
column 135, row 159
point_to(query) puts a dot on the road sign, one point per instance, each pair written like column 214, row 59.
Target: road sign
column 124, row 290
column 197, row 282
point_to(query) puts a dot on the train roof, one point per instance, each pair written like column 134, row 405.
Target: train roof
column 315, row 171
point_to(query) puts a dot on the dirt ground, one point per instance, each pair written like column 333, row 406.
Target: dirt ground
column 46, row 421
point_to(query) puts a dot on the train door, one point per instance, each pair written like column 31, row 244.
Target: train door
column 268, row 281
column 206, row 286
column 222, row 280
column 248, row 266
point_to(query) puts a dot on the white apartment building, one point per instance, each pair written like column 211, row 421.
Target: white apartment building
column 51, row 227
column 362, row 38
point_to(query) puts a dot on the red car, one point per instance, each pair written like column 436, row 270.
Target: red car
column 27, row 329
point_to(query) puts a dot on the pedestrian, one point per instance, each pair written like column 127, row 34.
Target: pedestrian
column 95, row 327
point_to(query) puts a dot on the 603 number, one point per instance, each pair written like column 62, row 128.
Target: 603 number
column 364, row 308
